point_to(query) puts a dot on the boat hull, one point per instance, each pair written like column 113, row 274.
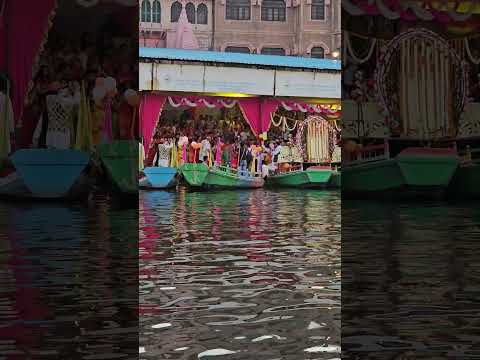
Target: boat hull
column 194, row 174
column 160, row 177
column 414, row 173
column 222, row 179
column 49, row 173
column 429, row 168
column 466, row 181
column 372, row 177
column 120, row 159
column 310, row 178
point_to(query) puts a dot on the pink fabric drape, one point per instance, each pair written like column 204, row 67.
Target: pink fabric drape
column 257, row 112
column 27, row 30
column 150, row 109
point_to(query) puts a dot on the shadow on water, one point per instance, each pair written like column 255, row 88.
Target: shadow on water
column 410, row 280
column 243, row 274
column 68, row 281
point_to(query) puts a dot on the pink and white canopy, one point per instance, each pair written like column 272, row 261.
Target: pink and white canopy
column 256, row 111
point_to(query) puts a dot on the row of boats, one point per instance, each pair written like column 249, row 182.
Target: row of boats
column 198, row 175
column 424, row 172
column 71, row 174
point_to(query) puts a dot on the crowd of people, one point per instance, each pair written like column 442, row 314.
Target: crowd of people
column 70, row 72
column 231, row 145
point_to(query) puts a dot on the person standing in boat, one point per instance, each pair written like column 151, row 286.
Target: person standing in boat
column 60, row 111
column 206, row 147
column 243, row 164
column 164, row 151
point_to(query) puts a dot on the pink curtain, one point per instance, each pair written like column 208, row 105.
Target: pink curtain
column 28, row 24
column 258, row 112
column 150, row 109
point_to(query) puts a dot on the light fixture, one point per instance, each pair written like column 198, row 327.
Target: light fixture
column 336, row 54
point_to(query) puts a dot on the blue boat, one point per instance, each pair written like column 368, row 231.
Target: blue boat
column 50, row 173
column 159, row 177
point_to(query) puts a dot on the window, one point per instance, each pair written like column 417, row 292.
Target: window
column 318, row 10
column 202, row 14
column 190, row 9
column 237, row 49
column 273, row 51
column 273, row 10
column 156, row 13
column 175, row 11
column 146, row 11
column 317, row 52
column 238, row 10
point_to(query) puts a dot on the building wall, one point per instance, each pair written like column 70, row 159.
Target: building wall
column 297, row 35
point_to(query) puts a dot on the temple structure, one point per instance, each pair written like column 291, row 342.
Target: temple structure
column 309, row 28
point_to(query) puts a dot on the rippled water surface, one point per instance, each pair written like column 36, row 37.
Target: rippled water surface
column 410, row 280
column 68, row 281
column 240, row 275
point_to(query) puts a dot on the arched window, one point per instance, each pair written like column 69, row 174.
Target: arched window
column 146, row 11
column 318, row 10
column 190, row 9
column 202, row 14
column 237, row 49
column 157, row 12
column 175, row 11
column 317, row 52
column 238, row 10
column 273, row 10
column 273, row 51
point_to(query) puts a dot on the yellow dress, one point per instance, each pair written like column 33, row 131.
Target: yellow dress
column 97, row 128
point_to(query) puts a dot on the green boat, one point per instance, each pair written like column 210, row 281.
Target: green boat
column 313, row 177
column 194, row 174
column 199, row 175
column 424, row 172
column 120, row 159
column 428, row 167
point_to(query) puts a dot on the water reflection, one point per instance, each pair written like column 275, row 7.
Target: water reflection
column 240, row 275
column 68, row 281
column 410, row 281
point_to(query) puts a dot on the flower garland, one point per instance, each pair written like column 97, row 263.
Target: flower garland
column 409, row 10
column 332, row 132
column 349, row 48
column 184, row 101
column 329, row 110
column 282, row 121
column 382, row 72
column 469, row 53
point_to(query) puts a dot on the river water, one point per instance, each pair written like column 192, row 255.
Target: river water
column 240, row 275
column 410, row 280
column 69, row 280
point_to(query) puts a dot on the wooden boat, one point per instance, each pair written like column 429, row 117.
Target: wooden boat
column 199, row 175
column 159, row 177
column 425, row 172
column 194, row 174
column 120, row 159
column 313, row 177
column 47, row 173
column 12, row 185
column 428, row 167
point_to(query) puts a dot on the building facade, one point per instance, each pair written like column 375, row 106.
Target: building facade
column 308, row 28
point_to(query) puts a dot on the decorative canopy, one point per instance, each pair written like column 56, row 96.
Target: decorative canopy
column 256, row 111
